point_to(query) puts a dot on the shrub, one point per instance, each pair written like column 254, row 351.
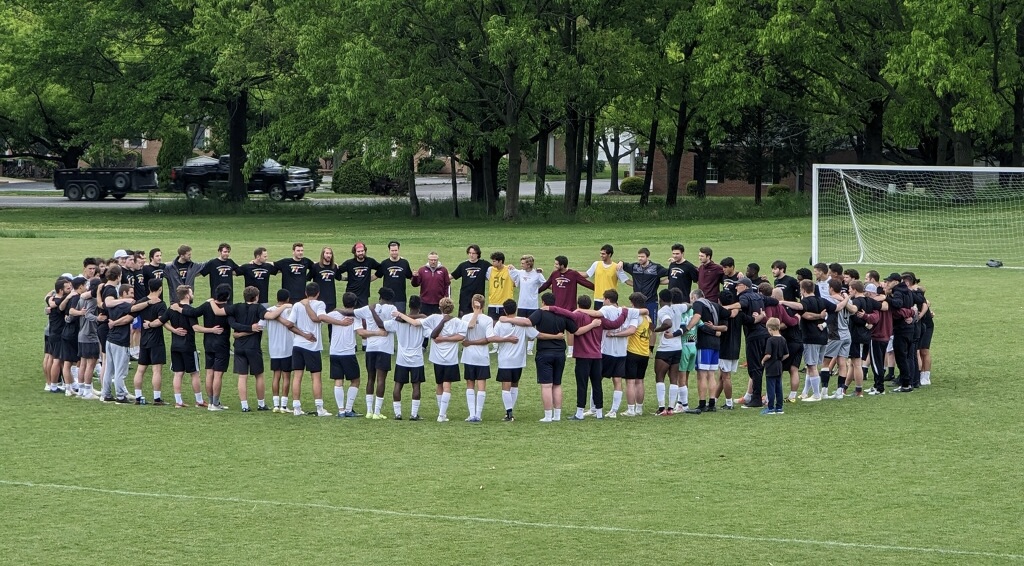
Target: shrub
column 502, row 174
column 777, row 190
column 691, row 188
column 351, row 177
column 429, row 165
column 632, row 185
column 552, row 170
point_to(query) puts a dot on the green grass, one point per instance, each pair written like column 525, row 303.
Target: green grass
column 890, row 480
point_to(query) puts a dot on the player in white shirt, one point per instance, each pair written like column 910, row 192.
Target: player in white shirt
column 409, row 358
column 613, row 347
column 307, row 315
column 530, row 280
column 476, row 357
column 446, row 333
column 379, row 348
column 512, row 340
column 667, row 354
column 280, row 341
column 344, row 365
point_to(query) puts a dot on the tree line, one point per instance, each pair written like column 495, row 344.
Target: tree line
column 757, row 88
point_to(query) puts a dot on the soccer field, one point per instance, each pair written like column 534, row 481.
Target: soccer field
column 931, row 477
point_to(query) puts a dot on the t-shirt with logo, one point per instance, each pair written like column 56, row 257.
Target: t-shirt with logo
column 474, row 282
column 294, row 274
column 359, row 274
column 325, row 276
column 646, row 278
column 394, row 274
column 682, row 276
column 220, row 272
column 258, row 275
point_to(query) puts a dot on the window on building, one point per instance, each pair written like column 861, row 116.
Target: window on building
column 712, row 173
column 135, row 143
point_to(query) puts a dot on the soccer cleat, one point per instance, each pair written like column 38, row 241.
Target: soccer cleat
column 575, row 418
column 680, row 408
column 779, row 412
column 469, row 419
column 903, row 390
column 297, row 411
column 926, row 380
column 802, row 396
column 710, row 409
column 767, row 411
column 246, row 410
column 122, row 400
column 442, row 419
column 322, row 412
column 476, row 420
column 589, row 413
column 693, row 411
column 180, row 406
column 839, row 394
column 108, row 399
column 752, row 406
column 140, row 401
column 89, row 397
column 792, row 399
column 158, row 402
column 660, row 412
column 611, row 415
column 369, row 416
column 874, row 391
column 341, row 414
column 70, row 392
column 669, row 412
column 727, row 407
column 858, row 393
column 351, row 414
column 812, row 399
column 202, row 405
column 216, row 408
column 508, row 418
column 277, row 409
column 398, row 417
column 414, row 418
column 262, row 408
column 379, row 417
column 629, row 414
column 547, row 420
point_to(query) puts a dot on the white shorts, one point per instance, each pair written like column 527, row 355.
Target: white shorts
column 728, row 366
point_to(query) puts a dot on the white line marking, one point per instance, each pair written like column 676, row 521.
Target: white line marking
column 525, row 524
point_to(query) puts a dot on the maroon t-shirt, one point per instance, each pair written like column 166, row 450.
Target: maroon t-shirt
column 709, row 278
column 563, row 285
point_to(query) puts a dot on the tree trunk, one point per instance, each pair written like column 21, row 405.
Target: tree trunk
column 515, row 160
column 1017, row 154
column 238, row 134
column 675, row 159
column 487, row 177
column 70, row 157
column 591, row 157
column 873, row 134
column 572, row 164
column 476, row 178
column 645, row 195
column 612, row 151
column 700, row 171
column 963, row 149
column 410, row 179
column 542, row 160
column 455, row 186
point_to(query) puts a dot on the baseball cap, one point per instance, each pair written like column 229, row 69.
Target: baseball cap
column 120, row 254
column 909, row 275
column 871, row 288
column 894, row 277
column 744, row 281
column 67, row 276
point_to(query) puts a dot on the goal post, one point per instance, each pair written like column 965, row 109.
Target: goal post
column 917, row 216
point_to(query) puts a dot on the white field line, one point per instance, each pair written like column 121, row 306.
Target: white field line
column 521, row 524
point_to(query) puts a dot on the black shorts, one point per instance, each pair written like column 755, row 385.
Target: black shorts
column 281, row 364
column 344, row 367
column 796, row 353
column 217, row 360
column 409, row 375
column 856, row 351
column 184, row 362
column 925, row 343
column 377, row 361
column 89, row 350
column 525, row 313
column 52, row 345
column 306, row 360
column 149, row 356
column 636, row 366
column 446, row 374
column 613, row 366
column 427, row 309
column 510, row 375
column 477, row 373
column 249, row 362
column 495, row 313
column 69, row 350
column 550, row 367
column 671, row 358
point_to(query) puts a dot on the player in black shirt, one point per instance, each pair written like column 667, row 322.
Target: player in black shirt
column 184, row 357
column 152, row 351
column 395, row 271
column 325, row 272
column 551, row 355
column 155, row 268
column 221, row 270
column 247, row 321
column 216, row 342
column 359, row 272
column 294, row 272
column 473, row 273
column 257, row 274
column 681, row 273
column 789, row 285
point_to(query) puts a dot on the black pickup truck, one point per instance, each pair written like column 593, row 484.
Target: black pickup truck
column 96, row 183
column 201, row 175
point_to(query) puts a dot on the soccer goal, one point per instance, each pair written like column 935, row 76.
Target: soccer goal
column 918, row 216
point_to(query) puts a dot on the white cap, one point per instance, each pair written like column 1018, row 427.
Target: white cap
column 871, row 288
column 68, row 276
column 120, row 254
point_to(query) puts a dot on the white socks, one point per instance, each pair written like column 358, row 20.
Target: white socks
column 480, row 396
column 515, row 395
column 471, row 402
column 378, row 402
column 442, row 405
column 616, row 400
column 684, row 395
column 506, row 400
column 397, row 406
column 339, row 397
column 659, row 392
column 415, row 407
column 369, row 404
column 673, row 395
column 350, row 400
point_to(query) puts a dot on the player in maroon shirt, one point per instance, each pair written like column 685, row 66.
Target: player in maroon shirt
column 563, row 282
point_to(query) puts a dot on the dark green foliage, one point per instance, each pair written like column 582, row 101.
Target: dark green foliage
column 552, row 170
column 632, row 185
column 691, row 188
column 778, row 190
column 429, row 165
column 351, row 178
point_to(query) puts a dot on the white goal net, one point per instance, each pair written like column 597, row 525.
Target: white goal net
column 918, row 216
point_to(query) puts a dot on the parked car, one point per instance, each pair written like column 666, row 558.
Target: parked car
column 201, row 175
column 96, row 183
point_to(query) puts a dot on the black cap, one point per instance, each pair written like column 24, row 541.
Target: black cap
column 894, row 277
column 909, row 276
column 744, row 281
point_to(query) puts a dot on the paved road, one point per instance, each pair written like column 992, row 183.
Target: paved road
column 426, row 189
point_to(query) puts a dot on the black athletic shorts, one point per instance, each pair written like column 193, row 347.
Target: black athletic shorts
column 510, row 375
column 495, row 313
column 377, row 361
column 613, row 366
column 51, row 345
column 525, row 313
column 308, row 360
column 446, row 374
column 281, row 364
column 69, row 350
column 477, row 373
column 427, row 309
column 671, row 358
column 152, row 356
column 856, row 351
column 217, row 360
column 550, row 366
column 925, row 343
column 249, row 362
column 636, row 366
column 184, row 362
column 89, row 350
column 796, row 354
column 344, row 367
column 409, row 375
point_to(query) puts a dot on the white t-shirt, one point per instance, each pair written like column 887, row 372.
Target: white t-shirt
column 343, row 338
column 444, row 353
column 279, row 338
column 529, row 282
column 615, row 346
column 512, row 356
column 477, row 355
column 671, row 315
column 384, row 344
column 301, row 319
column 410, row 343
